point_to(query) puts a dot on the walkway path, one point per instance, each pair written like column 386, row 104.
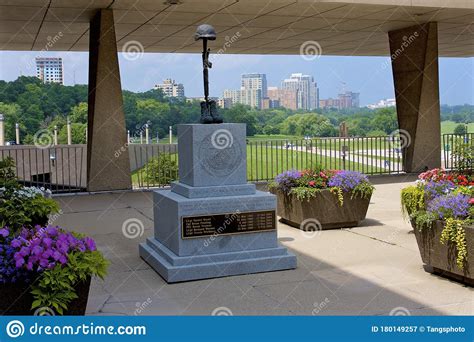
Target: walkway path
column 369, row 270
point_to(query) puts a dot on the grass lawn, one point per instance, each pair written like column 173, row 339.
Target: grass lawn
column 447, row 127
column 264, row 163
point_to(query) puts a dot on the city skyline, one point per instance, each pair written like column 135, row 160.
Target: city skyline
column 456, row 74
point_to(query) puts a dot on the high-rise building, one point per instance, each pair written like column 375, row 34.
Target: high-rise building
column 348, row 99
column 233, row 96
column 253, row 89
column 50, row 69
column 306, row 88
column 287, row 98
column 171, row 89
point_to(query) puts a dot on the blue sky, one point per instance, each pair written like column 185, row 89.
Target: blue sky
column 371, row 76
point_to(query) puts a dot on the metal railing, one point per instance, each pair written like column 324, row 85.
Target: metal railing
column 370, row 155
column 453, row 144
column 63, row 168
column 60, row 168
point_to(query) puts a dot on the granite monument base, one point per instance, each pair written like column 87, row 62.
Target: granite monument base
column 181, row 254
column 212, row 223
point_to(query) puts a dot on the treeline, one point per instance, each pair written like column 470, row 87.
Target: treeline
column 37, row 106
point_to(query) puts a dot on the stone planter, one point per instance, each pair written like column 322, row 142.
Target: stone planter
column 441, row 259
column 16, row 300
column 324, row 207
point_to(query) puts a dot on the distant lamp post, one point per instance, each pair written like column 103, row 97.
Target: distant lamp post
column 55, row 134
column 171, row 134
column 147, row 134
column 69, row 136
column 141, row 137
column 2, row 130
column 52, row 156
column 128, row 136
column 209, row 113
column 17, row 133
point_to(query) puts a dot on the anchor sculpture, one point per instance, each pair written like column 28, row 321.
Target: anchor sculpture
column 209, row 114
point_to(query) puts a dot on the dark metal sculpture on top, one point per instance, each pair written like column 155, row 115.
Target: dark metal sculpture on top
column 209, row 113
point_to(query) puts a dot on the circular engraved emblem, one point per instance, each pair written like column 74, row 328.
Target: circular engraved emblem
column 219, row 161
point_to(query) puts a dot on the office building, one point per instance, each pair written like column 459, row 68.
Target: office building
column 253, row 89
column 306, row 88
column 171, row 89
column 50, row 69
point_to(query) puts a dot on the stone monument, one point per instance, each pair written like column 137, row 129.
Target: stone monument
column 212, row 223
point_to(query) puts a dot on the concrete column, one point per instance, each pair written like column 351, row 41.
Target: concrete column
column 69, row 134
column 106, row 169
column 55, row 135
column 414, row 54
column 2, row 130
column 17, row 133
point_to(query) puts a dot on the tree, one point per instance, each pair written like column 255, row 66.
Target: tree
column 460, row 129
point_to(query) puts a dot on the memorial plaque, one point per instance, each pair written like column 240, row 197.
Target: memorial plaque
column 227, row 224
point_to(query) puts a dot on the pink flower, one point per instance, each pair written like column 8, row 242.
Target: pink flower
column 471, row 201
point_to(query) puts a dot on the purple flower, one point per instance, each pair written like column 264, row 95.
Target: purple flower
column 347, row 180
column 442, row 187
column 451, row 205
column 287, row 180
column 4, row 232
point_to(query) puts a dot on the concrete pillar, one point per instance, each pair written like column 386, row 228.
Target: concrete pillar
column 106, row 169
column 17, row 133
column 55, row 134
column 414, row 54
column 2, row 130
column 69, row 134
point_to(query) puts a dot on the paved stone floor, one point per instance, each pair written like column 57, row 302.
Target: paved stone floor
column 373, row 269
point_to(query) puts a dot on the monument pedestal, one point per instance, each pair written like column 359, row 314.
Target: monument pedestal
column 212, row 223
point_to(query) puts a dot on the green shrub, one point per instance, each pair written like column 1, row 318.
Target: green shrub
column 161, row 170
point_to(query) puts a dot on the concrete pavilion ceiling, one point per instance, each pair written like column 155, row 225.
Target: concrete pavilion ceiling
column 350, row 27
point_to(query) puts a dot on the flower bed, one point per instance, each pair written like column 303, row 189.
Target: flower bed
column 441, row 210
column 43, row 269
column 320, row 199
